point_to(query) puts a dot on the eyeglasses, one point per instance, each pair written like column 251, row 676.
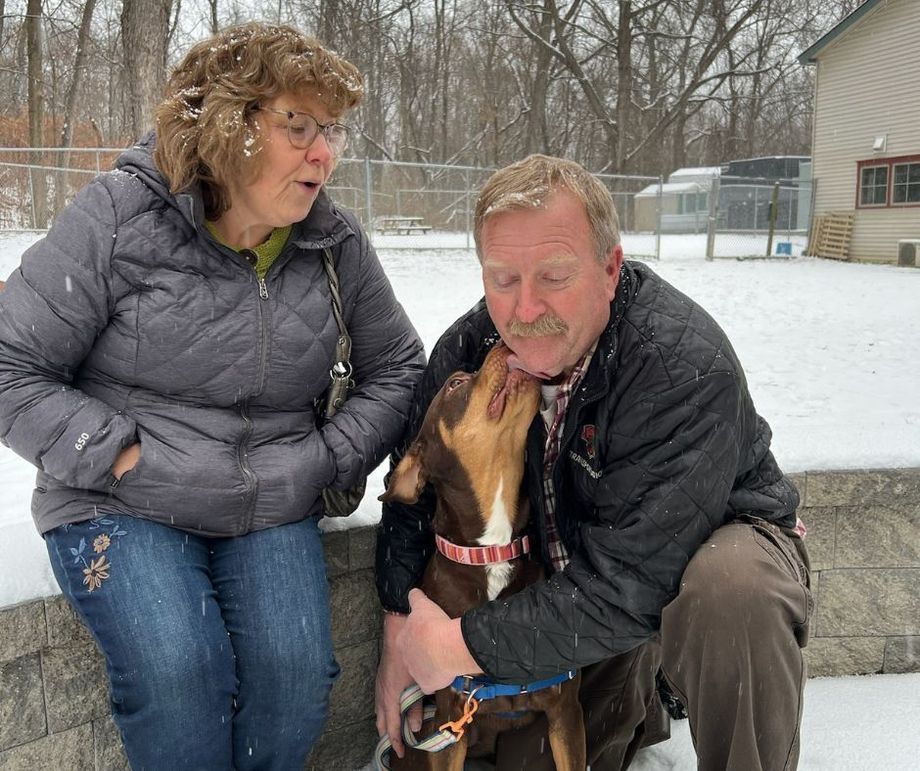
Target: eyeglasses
column 302, row 129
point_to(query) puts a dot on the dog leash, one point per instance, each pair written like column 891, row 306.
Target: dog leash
column 441, row 739
column 477, row 689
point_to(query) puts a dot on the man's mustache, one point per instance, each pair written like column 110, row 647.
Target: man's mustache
column 546, row 326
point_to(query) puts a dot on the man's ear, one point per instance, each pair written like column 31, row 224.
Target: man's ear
column 408, row 478
column 612, row 266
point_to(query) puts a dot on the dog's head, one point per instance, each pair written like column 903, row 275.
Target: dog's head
column 473, row 437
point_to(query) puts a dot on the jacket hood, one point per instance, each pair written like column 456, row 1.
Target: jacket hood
column 323, row 227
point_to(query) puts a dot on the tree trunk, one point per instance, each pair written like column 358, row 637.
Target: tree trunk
column 36, row 111
column 70, row 103
column 624, row 83
column 537, row 134
column 144, row 32
column 215, row 26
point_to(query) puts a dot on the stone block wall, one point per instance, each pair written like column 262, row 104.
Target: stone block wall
column 54, row 710
column 864, row 543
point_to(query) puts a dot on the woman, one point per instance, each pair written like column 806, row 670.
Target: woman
column 160, row 353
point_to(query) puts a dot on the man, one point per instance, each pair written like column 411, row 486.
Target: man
column 666, row 527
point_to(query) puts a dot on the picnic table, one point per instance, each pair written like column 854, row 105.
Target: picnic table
column 401, row 225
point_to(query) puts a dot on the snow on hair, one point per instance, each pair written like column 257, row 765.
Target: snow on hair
column 206, row 130
column 528, row 183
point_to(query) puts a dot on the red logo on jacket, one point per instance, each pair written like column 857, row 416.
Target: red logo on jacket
column 587, row 437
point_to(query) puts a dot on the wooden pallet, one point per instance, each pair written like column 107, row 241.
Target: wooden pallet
column 830, row 235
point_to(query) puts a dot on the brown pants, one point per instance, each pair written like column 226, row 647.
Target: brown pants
column 730, row 649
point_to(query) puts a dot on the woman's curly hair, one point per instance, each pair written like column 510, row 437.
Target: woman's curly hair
column 206, row 127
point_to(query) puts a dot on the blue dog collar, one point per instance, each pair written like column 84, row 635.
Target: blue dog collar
column 484, row 689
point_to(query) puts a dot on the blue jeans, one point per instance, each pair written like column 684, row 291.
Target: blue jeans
column 219, row 650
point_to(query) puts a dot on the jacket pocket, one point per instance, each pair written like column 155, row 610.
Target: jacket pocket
column 790, row 557
column 131, row 474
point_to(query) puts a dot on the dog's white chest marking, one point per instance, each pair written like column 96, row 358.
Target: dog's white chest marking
column 497, row 533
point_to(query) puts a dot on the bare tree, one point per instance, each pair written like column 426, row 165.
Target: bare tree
column 70, row 102
column 79, row 67
column 212, row 7
column 632, row 86
column 145, row 28
column 36, row 108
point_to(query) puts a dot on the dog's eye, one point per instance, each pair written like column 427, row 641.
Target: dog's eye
column 455, row 382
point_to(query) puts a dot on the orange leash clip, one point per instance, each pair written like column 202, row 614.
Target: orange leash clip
column 469, row 709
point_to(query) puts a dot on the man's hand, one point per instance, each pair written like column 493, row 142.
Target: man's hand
column 432, row 646
column 392, row 680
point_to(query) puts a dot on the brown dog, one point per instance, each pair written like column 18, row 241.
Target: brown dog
column 471, row 450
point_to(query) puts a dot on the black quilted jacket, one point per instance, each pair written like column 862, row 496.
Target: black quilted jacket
column 661, row 446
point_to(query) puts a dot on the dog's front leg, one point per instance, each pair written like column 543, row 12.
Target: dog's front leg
column 567, row 729
column 450, row 758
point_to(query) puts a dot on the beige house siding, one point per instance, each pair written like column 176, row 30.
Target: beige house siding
column 868, row 85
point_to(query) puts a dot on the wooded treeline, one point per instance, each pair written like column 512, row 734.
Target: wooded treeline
column 641, row 86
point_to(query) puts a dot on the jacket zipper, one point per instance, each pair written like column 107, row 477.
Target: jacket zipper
column 252, row 481
column 264, row 341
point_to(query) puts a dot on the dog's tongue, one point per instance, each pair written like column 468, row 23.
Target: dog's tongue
column 515, row 363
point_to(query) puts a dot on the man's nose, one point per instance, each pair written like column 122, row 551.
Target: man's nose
column 530, row 305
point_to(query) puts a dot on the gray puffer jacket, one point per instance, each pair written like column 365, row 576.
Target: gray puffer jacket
column 128, row 322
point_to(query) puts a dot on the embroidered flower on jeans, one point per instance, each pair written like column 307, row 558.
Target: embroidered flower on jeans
column 101, row 543
column 96, row 573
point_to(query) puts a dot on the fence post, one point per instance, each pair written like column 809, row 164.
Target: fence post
column 369, row 192
column 658, row 206
column 32, row 199
column 469, row 220
column 713, row 218
column 774, row 201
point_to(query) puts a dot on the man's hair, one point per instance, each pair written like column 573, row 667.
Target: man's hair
column 528, row 183
column 206, row 126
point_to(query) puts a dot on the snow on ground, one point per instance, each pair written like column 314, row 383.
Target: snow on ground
column 833, row 361
column 849, row 724
column 830, row 350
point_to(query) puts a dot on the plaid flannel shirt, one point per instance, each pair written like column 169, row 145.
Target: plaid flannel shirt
column 559, row 555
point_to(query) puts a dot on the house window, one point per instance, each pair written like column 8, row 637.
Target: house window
column 887, row 182
column 873, row 186
column 905, row 186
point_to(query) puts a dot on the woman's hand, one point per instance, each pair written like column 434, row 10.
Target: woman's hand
column 127, row 459
column 392, row 679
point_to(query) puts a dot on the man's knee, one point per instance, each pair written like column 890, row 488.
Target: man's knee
column 738, row 580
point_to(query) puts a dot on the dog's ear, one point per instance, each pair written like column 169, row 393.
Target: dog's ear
column 408, row 479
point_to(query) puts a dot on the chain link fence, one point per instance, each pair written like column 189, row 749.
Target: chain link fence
column 403, row 205
column 430, row 206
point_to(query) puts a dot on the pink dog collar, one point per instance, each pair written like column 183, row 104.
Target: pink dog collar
column 482, row 555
